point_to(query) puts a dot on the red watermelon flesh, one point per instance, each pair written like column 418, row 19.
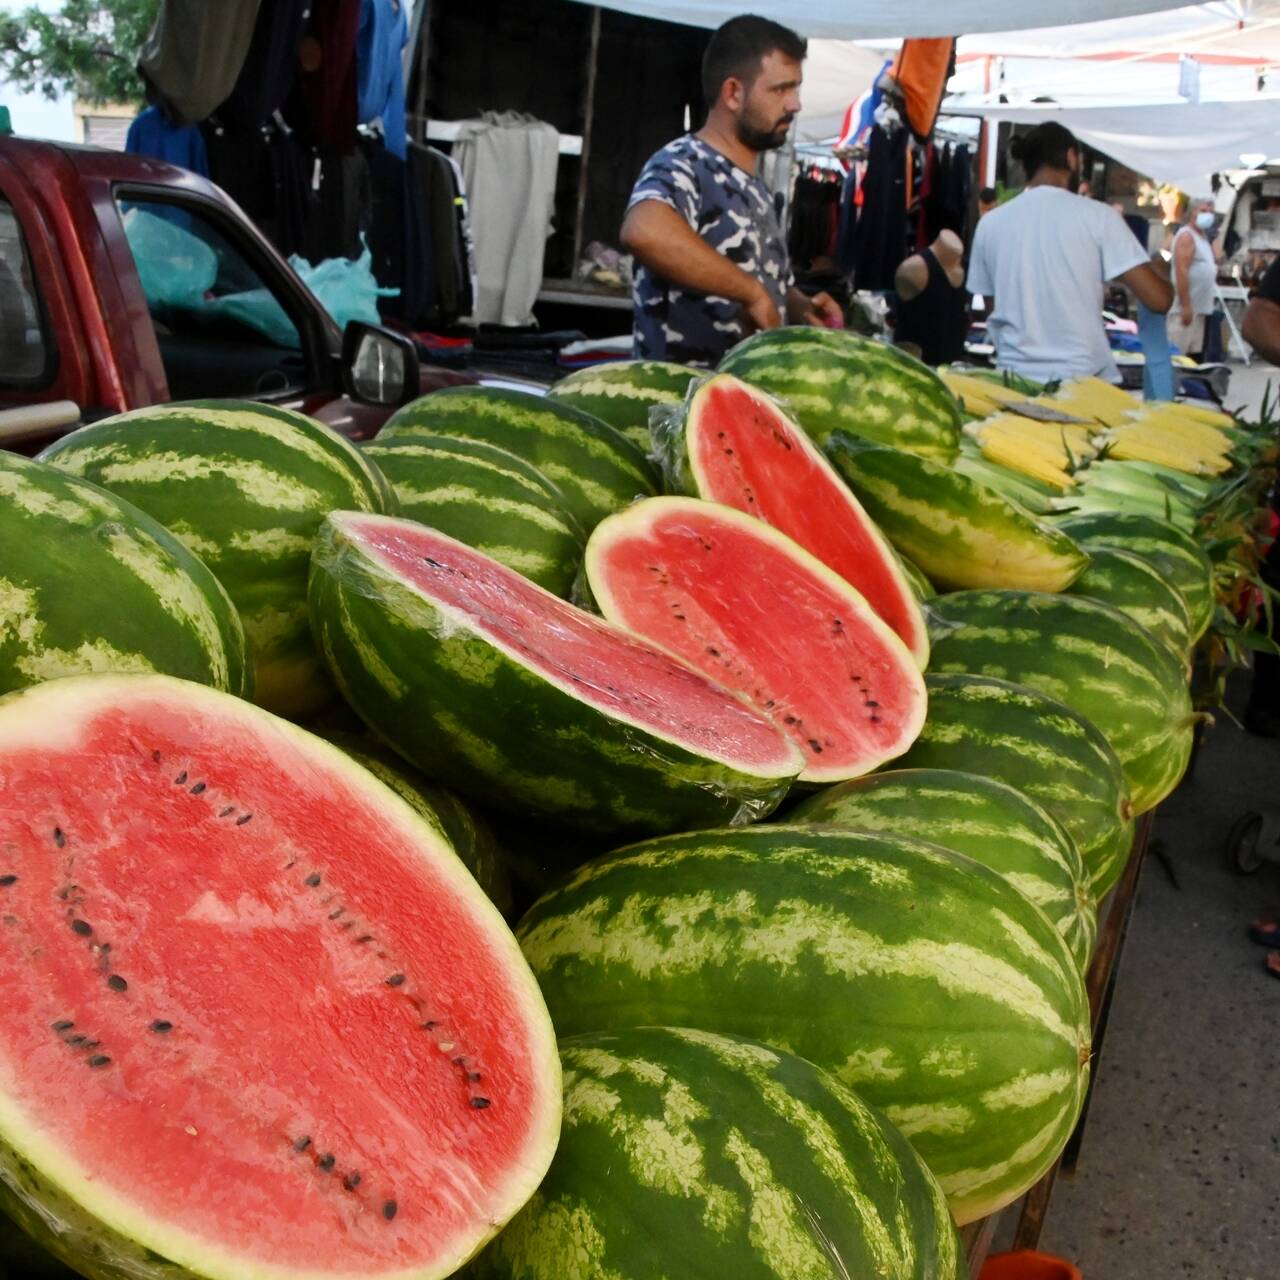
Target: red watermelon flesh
column 739, row 600
column 257, row 1018
column 744, row 452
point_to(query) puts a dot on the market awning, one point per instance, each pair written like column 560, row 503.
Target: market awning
column 1179, row 143
column 863, row 19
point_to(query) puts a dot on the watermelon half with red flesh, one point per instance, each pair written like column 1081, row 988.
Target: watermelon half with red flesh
column 754, row 610
column 258, row 1020
column 732, row 444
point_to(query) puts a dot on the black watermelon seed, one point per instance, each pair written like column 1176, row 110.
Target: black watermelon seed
column 161, row 1026
column 63, row 1025
column 99, row 1060
column 241, row 821
column 480, row 1103
column 91, row 1044
column 6, row 881
column 816, row 745
column 474, row 1076
column 198, row 788
column 302, row 1144
column 389, row 1210
column 333, row 915
column 395, row 980
column 82, row 927
column 871, row 702
column 364, row 937
column 181, row 778
column 117, row 983
column 230, row 809
column 326, row 1162
column 155, row 755
column 58, row 838
column 312, row 880
column 76, row 1041
column 351, row 1181
column 430, row 1025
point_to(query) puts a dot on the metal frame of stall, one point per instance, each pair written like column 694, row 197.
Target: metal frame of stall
column 1100, row 980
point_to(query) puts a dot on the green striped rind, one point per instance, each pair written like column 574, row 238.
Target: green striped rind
column 623, row 392
column 981, row 818
column 831, row 380
column 245, row 487
column 466, row 832
column 89, row 583
column 487, row 498
column 959, row 532
column 923, row 588
column 1040, row 747
column 1137, row 588
column 598, row 470
column 684, row 1152
column 1091, row 657
column 918, row 977
column 1175, row 554
column 472, row 715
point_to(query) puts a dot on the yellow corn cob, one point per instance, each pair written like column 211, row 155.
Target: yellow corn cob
column 1062, row 442
column 1195, row 434
column 1199, row 443
column 1199, row 413
column 1126, row 446
column 997, row 392
column 1093, row 398
column 1018, row 460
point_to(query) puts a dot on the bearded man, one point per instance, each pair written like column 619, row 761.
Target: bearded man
column 702, row 225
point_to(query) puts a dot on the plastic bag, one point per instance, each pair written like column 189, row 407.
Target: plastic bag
column 176, row 268
column 346, row 289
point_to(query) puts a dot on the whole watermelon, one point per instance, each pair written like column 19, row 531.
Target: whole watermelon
column 244, row 486
column 623, row 393
column 832, row 380
column 917, row 976
column 689, row 1154
column 89, row 583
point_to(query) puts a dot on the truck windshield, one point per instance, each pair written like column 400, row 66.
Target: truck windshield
column 24, row 352
column 221, row 330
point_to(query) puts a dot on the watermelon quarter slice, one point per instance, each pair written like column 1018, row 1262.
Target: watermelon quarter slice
column 258, row 1021
column 749, row 607
column 506, row 693
column 734, row 445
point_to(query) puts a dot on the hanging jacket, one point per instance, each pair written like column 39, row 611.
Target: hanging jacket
column 380, row 42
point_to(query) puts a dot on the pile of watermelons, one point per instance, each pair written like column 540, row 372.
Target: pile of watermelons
column 337, row 783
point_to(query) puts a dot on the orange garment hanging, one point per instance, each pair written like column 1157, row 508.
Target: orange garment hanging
column 922, row 69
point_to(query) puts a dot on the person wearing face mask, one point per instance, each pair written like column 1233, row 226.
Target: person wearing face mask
column 1042, row 260
column 1195, row 275
column 702, row 226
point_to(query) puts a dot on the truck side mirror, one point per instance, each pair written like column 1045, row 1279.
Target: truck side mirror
column 379, row 366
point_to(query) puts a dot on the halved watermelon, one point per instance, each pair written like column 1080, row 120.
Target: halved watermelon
column 506, row 693
column 733, row 444
column 754, row 610
column 258, row 1021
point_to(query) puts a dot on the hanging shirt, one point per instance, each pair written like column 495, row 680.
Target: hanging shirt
column 1045, row 257
column 384, row 32
column 1202, row 275
column 153, row 134
column 733, row 211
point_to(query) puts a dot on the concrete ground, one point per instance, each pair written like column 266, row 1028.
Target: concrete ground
column 1179, row 1172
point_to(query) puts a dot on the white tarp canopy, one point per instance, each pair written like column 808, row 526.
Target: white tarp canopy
column 863, row 19
column 1178, row 143
column 835, row 73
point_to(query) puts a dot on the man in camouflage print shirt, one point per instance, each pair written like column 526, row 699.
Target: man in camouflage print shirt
column 712, row 259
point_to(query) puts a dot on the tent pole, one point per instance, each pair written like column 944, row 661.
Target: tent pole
column 584, row 162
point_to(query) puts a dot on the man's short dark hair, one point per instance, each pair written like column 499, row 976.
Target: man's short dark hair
column 988, row 195
column 738, row 48
column 1046, row 144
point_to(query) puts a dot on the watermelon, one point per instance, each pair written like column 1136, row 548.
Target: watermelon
column 466, row 831
column 1137, row 588
column 961, row 533
column 1091, row 657
column 1033, row 743
column 919, row 977
column 258, row 1019
column 597, row 469
column 734, row 445
column 1175, row 555
column 245, row 487
column 687, row 1153
column 502, row 691
column 922, row 588
column 981, row 818
column 487, row 498
column 90, row 583
column 622, row 393
column 806, row 650
column 834, row 380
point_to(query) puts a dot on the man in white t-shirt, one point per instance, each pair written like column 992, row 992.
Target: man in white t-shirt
column 1042, row 259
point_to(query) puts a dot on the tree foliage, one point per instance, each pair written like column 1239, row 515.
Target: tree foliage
column 88, row 47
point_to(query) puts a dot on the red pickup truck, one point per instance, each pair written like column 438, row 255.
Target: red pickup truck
column 91, row 325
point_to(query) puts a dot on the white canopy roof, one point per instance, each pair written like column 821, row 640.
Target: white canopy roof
column 1180, row 143
column 861, row 19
